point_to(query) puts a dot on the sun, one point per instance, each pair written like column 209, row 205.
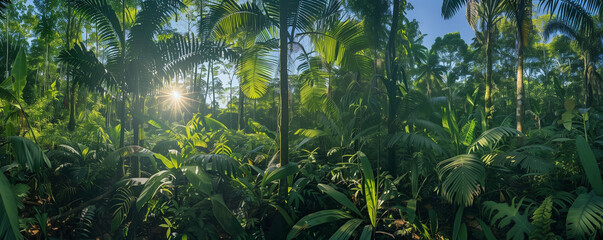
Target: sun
column 176, row 96
column 175, row 100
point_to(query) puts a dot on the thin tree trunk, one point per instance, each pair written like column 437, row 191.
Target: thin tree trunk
column 284, row 86
column 391, row 86
column 520, row 111
column 241, row 123
column 70, row 91
column 488, row 106
column 585, row 87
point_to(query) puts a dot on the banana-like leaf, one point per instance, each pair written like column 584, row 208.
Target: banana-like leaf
column 281, row 172
column 225, row 217
column 9, row 217
column 198, row 178
column 28, row 153
column 346, row 230
column 591, row 168
column 367, row 233
column 315, row 219
column 585, row 216
column 369, row 186
column 153, row 185
column 339, row 197
column 464, row 177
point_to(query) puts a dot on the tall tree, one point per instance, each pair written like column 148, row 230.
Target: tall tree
column 520, row 12
column 591, row 48
column 483, row 17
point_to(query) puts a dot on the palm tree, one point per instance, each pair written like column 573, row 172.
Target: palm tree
column 483, row 15
column 136, row 58
column 590, row 46
column 260, row 20
column 520, row 11
column 431, row 72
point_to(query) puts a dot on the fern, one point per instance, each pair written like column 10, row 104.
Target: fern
column 503, row 215
column 541, row 219
column 464, row 177
column 585, row 216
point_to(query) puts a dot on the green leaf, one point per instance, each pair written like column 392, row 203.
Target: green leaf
column 464, row 177
column 345, row 231
column 339, row 197
column 198, row 178
column 9, row 217
column 225, row 217
column 591, row 168
column 491, row 137
column 19, row 73
column 458, row 220
column 280, row 173
column 315, row 219
column 168, row 163
column 28, row 153
column 585, row 216
column 367, row 233
column 504, row 215
column 151, row 187
column 486, row 229
column 370, row 188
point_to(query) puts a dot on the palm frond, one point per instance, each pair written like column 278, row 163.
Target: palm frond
column 256, row 67
column 491, row 137
column 463, row 176
column 109, row 28
column 585, row 216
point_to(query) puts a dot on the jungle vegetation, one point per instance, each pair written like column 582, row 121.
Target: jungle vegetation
column 299, row 119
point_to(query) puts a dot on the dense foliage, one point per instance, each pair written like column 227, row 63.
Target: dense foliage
column 299, row 119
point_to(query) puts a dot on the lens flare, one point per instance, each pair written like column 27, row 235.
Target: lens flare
column 173, row 99
column 176, row 95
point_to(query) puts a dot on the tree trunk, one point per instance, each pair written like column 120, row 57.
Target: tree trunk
column 488, row 106
column 586, row 90
column 284, row 85
column 520, row 111
column 391, row 86
column 241, row 121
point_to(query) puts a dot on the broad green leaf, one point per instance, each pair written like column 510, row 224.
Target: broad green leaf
column 367, row 233
column 370, row 188
column 198, row 178
column 282, row 172
column 19, row 73
column 225, row 217
column 168, row 163
column 315, row 219
column 9, row 217
column 151, row 187
column 345, row 231
column 486, row 230
column 339, row 197
column 28, row 153
column 591, row 168
column 458, row 220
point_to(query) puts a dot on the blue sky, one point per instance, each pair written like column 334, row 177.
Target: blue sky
column 428, row 14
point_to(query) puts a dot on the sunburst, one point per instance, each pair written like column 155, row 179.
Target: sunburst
column 173, row 99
